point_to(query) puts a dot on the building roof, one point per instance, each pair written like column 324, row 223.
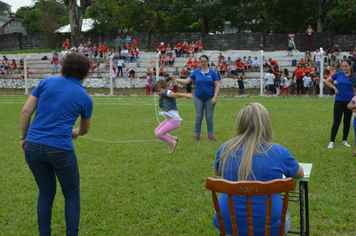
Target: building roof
column 4, row 20
column 11, row 19
column 86, row 26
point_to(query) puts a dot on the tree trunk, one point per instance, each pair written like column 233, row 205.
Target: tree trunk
column 76, row 14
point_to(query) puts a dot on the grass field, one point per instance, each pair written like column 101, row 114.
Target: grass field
column 138, row 189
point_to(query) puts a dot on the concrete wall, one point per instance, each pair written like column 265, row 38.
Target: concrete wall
column 222, row 42
column 18, row 41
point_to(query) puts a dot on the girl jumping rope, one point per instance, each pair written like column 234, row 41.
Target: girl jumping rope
column 168, row 104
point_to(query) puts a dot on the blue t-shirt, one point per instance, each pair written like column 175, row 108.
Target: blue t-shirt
column 60, row 101
column 128, row 40
column 268, row 166
column 204, row 83
column 344, row 87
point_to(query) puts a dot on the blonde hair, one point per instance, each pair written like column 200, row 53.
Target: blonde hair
column 254, row 135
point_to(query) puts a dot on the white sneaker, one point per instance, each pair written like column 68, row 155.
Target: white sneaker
column 331, row 145
column 346, row 144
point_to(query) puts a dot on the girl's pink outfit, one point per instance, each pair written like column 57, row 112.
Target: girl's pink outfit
column 170, row 112
column 164, row 128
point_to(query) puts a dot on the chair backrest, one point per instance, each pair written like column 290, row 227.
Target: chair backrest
column 250, row 188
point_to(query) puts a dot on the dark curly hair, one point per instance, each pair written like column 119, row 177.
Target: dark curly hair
column 76, row 65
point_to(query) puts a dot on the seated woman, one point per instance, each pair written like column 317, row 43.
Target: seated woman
column 308, row 56
column 253, row 155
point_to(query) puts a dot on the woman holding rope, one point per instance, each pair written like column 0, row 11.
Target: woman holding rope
column 47, row 142
column 344, row 94
column 205, row 95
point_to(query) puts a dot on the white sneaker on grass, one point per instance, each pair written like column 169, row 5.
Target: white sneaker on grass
column 346, row 144
column 331, row 145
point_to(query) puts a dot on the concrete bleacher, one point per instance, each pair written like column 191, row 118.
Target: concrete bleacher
column 43, row 68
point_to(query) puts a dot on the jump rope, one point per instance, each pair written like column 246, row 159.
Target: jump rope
column 129, row 141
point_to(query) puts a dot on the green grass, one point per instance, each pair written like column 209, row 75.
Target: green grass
column 27, row 51
column 138, row 189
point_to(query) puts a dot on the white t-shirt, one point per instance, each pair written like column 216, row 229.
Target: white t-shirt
column 255, row 62
column 317, row 56
column 270, row 78
column 233, row 67
column 291, row 36
column 124, row 52
column 63, row 54
column 120, row 62
column 306, row 81
column 285, row 82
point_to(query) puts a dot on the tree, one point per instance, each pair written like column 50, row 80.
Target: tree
column 44, row 18
column 76, row 15
column 343, row 17
column 5, row 9
column 321, row 7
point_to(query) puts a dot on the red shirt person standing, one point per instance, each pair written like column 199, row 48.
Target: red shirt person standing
column 66, row 44
column 300, row 70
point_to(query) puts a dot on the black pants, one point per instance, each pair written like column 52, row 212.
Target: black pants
column 339, row 109
column 189, row 87
column 300, row 86
column 317, row 89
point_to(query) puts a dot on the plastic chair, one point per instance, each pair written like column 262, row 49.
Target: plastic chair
column 250, row 188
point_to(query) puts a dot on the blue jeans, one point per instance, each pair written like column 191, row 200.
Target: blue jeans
column 133, row 57
column 54, row 66
column 201, row 105
column 46, row 163
column 286, row 226
column 119, row 68
column 178, row 52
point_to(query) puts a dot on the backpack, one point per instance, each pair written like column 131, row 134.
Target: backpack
column 138, row 65
column 294, row 62
column 44, row 58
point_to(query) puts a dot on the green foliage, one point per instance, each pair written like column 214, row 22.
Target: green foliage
column 287, row 16
column 343, row 17
column 44, row 17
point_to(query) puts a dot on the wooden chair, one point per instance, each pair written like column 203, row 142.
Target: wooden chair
column 250, row 188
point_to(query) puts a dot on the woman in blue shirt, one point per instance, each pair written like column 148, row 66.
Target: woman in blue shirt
column 344, row 94
column 47, row 141
column 252, row 155
column 205, row 95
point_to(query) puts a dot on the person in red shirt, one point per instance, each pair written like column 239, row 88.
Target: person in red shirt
column 178, row 50
column 300, row 70
column 161, row 48
column 66, row 44
column 186, row 50
column 133, row 55
column 273, row 63
column 105, row 51
column 195, row 63
column 240, row 67
column 134, row 42
column 200, row 46
column 189, row 63
column 223, row 69
column 100, row 50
